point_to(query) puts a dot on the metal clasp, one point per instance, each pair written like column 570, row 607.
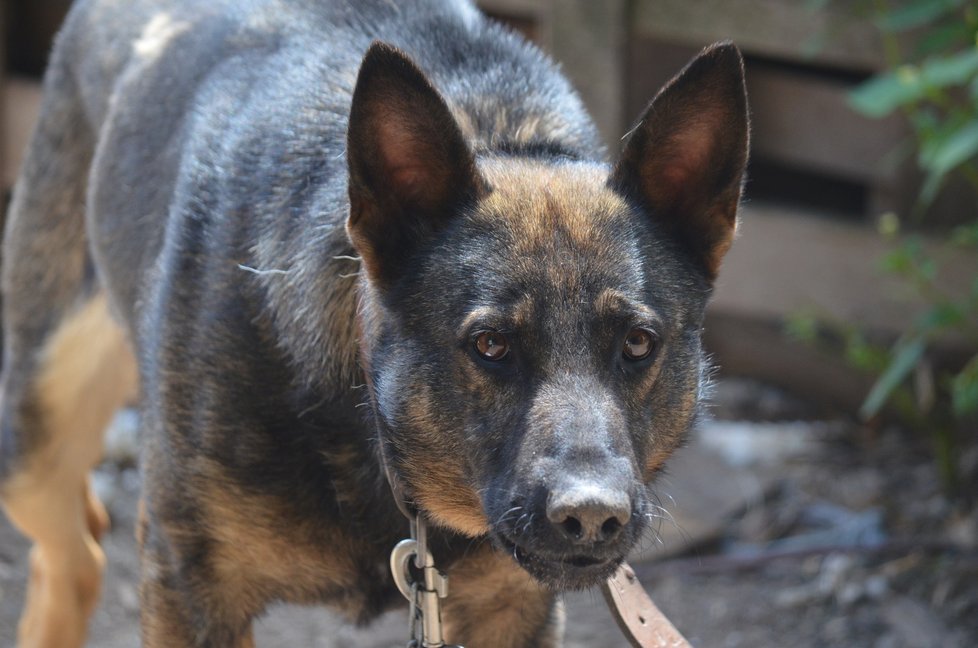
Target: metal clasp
column 424, row 620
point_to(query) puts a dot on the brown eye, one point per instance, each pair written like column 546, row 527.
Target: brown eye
column 639, row 344
column 491, row 345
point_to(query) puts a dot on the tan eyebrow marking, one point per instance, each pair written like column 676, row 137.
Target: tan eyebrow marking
column 520, row 314
column 614, row 302
column 482, row 313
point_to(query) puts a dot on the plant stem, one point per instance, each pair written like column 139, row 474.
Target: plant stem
column 946, row 457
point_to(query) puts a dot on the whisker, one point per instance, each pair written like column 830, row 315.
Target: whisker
column 502, row 518
column 256, row 271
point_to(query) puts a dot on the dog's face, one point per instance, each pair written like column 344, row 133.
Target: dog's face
column 531, row 327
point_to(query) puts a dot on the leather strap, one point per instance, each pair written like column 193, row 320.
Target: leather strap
column 640, row 620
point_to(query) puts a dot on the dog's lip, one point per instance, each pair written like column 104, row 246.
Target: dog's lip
column 581, row 561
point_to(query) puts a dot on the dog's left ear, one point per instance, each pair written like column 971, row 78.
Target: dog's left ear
column 410, row 167
column 685, row 160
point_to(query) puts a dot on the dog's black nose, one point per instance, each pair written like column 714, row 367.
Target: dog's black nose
column 588, row 514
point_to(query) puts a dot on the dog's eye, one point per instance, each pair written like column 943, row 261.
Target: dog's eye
column 639, row 344
column 491, row 345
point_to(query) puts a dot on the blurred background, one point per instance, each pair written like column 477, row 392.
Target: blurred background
column 832, row 499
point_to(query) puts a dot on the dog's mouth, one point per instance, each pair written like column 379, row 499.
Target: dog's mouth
column 561, row 572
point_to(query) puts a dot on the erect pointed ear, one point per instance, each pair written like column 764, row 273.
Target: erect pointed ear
column 685, row 160
column 410, row 168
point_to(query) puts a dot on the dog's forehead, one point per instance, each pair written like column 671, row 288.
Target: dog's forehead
column 559, row 234
column 538, row 203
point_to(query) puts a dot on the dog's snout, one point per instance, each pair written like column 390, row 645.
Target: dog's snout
column 587, row 514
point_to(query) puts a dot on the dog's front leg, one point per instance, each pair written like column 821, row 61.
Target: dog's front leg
column 182, row 603
column 493, row 603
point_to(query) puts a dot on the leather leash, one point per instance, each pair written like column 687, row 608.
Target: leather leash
column 639, row 619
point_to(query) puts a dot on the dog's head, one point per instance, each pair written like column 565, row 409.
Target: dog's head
column 531, row 327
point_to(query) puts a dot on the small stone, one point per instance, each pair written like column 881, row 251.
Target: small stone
column 794, row 597
column 963, row 530
column 128, row 597
column 743, row 443
column 122, row 438
column 915, row 623
column 836, row 630
column 835, row 567
column 849, row 594
column 876, row 587
column 130, row 480
column 887, row 641
column 104, row 485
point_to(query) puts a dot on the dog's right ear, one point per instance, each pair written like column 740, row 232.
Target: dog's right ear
column 410, row 167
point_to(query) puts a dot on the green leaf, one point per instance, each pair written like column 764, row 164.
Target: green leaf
column 951, row 35
column 940, row 316
column 903, row 260
column 965, row 235
column 953, row 148
column 964, row 389
column 931, row 187
column 884, row 93
column 954, row 69
column 802, row 327
column 905, row 356
column 865, row 356
column 814, row 6
column 916, row 14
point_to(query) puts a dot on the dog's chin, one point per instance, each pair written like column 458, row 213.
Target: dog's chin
column 560, row 573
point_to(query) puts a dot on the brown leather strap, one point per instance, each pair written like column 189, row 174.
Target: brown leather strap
column 636, row 614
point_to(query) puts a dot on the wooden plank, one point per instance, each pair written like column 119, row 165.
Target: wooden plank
column 789, row 261
column 3, row 107
column 804, row 120
column 589, row 40
column 21, row 100
column 742, row 345
column 515, row 8
column 648, row 66
column 783, row 29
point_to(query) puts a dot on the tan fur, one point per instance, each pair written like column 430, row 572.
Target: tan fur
column 257, row 546
column 442, row 486
column 87, row 372
column 447, row 496
column 534, row 199
column 499, row 603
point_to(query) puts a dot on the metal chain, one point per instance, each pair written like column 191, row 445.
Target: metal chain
column 424, row 596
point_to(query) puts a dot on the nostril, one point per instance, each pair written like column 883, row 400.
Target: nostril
column 572, row 527
column 611, row 528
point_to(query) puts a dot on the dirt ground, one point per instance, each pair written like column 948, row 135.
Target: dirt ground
column 783, row 529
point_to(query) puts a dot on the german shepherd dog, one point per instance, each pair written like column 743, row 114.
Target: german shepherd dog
column 306, row 235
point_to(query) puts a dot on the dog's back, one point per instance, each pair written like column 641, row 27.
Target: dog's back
column 176, row 92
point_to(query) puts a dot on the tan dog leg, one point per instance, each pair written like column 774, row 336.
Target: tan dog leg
column 86, row 373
